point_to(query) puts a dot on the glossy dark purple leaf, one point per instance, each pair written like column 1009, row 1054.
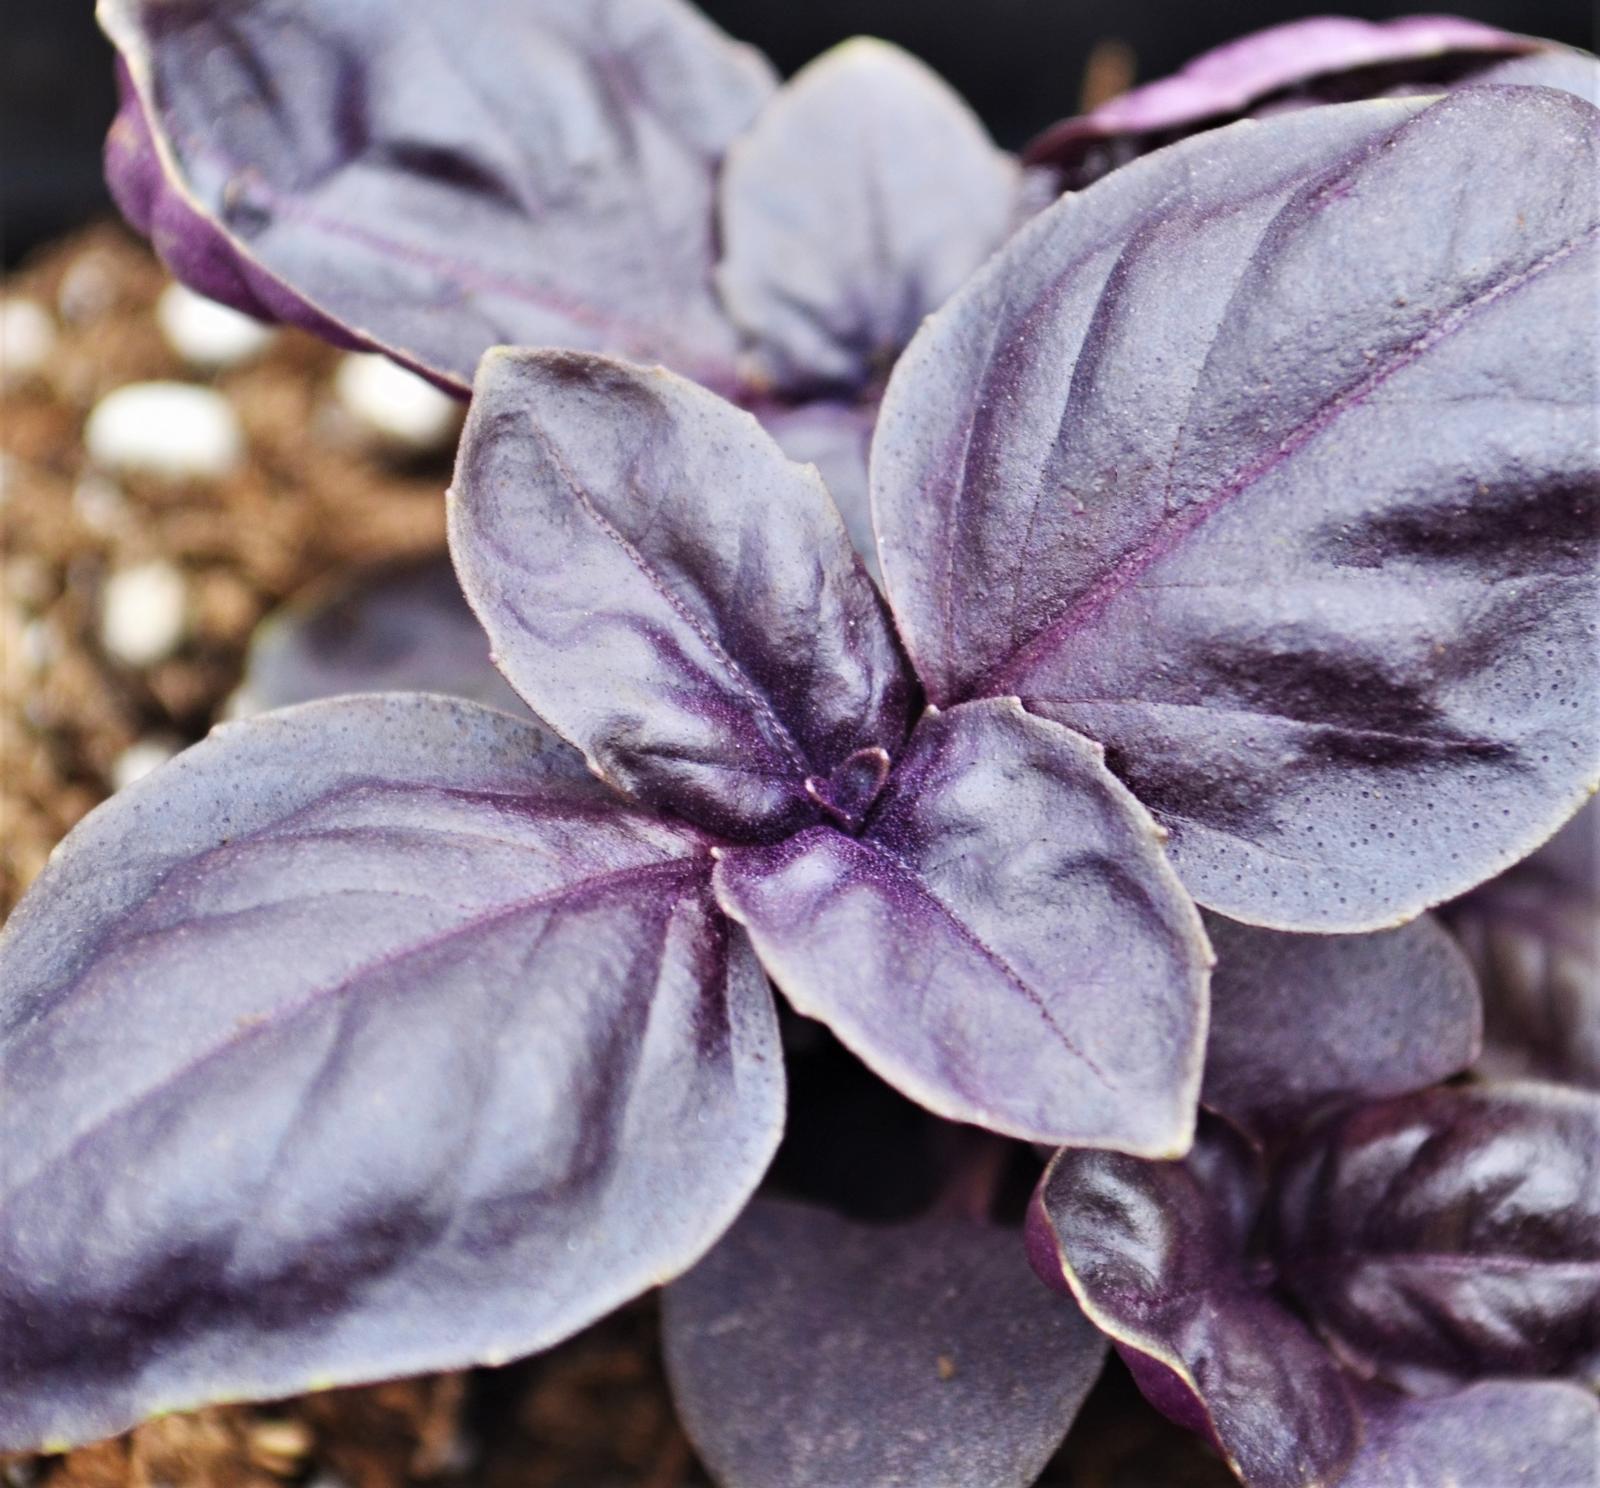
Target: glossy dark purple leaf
column 1452, row 1234
column 530, row 171
column 862, row 196
column 384, row 1040
column 1300, row 1021
column 1498, row 1434
column 1268, row 462
column 1004, row 941
column 1319, row 59
column 669, row 592
column 1155, row 1254
column 405, row 628
column 1534, row 935
column 807, row 1349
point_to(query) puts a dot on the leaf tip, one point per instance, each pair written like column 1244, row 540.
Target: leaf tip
column 864, row 50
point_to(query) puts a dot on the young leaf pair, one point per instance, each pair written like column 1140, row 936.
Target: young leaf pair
column 1359, row 1275
column 615, row 177
column 1397, row 1292
column 414, row 1043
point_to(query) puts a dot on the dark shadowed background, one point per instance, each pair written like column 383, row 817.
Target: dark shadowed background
column 1020, row 62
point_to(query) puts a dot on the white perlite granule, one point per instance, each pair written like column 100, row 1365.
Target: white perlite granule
column 397, row 405
column 143, row 611
column 169, row 429
column 206, row 334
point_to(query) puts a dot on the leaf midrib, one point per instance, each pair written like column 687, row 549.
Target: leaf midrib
column 245, row 1032
column 1087, row 606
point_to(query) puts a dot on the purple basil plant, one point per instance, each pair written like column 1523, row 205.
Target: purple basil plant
column 616, row 177
column 1237, row 534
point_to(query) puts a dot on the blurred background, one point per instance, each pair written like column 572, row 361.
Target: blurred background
column 1021, row 63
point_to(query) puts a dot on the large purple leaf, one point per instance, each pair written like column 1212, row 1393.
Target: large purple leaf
column 407, row 628
column 1155, row 1254
column 1534, row 935
column 1269, row 462
column 1004, row 941
column 669, row 592
column 384, row 1040
column 807, row 1349
column 1451, row 1234
column 194, row 247
column 863, row 195
column 529, row 171
column 1319, row 59
column 1300, row 1021
column 1499, row 1434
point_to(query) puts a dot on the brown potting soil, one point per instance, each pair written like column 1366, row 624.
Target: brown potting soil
column 314, row 497
column 310, row 498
